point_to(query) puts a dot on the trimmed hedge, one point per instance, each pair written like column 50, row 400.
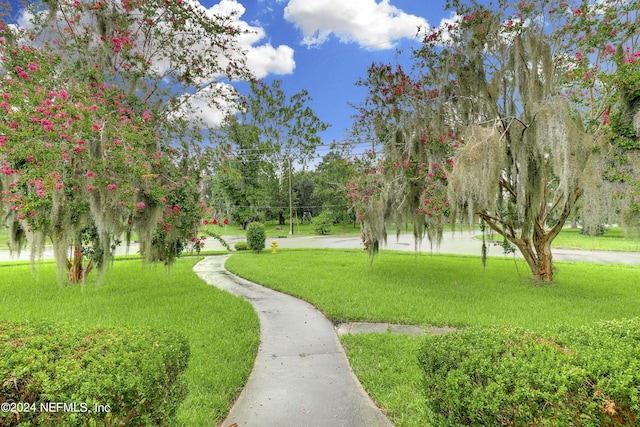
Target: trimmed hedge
column 241, row 246
column 256, row 236
column 59, row 375
column 507, row 376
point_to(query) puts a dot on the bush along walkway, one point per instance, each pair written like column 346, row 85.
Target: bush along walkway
column 301, row 376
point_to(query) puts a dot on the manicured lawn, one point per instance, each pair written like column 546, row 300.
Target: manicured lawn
column 612, row 240
column 435, row 290
column 444, row 289
column 223, row 330
column 387, row 366
column 570, row 238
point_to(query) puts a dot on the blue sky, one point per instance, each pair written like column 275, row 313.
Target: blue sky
column 324, row 46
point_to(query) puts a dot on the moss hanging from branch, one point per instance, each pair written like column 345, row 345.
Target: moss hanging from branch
column 479, row 165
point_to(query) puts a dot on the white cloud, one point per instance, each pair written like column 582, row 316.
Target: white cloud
column 266, row 59
column 262, row 59
column 372, row 25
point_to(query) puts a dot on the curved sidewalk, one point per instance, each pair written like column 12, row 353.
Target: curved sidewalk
column 301, row 376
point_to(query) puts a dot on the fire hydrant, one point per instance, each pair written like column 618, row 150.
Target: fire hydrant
column 274, row 246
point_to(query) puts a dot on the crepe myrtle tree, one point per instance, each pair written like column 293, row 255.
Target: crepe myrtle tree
column 531, row 108
column 96, row 139
column 523, row 94
column 520, row 133
column 81, row 166
column 405, row 181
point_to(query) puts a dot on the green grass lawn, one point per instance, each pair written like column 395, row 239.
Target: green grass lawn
column 570, row 238
column 223, row 330
column 438, row 289
column 612, row 240
column 435, row 290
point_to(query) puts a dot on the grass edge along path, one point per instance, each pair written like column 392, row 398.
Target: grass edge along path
column 387, row 367
column 443, row 290
column 393, row 289
column 223, row 330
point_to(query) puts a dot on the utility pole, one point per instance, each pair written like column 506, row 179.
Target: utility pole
column 290, row 200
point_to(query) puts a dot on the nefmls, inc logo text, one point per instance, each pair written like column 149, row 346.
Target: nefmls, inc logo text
column 73, row 407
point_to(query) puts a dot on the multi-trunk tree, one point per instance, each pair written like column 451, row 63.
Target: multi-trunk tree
column 97, row 136
column 524, row 92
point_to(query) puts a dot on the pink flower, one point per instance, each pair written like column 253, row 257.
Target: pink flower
column 141, row 205
column 146, row 115
column 32, row 66
column 90, row 174
column 163, row 200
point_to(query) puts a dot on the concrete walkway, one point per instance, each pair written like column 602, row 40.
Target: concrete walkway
column 301, row 376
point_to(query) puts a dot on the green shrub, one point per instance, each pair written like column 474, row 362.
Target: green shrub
column 137, row 376
column 508, row 376
column 610, row 353
column 256, row 236
column 323, row 222
column 241, row 246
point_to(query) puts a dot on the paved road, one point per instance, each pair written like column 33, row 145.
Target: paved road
column 452, row 243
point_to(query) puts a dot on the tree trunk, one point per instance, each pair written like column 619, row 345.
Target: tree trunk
column 540, row 261
column 535, row 247
column 76, row 272
column 290, row 200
